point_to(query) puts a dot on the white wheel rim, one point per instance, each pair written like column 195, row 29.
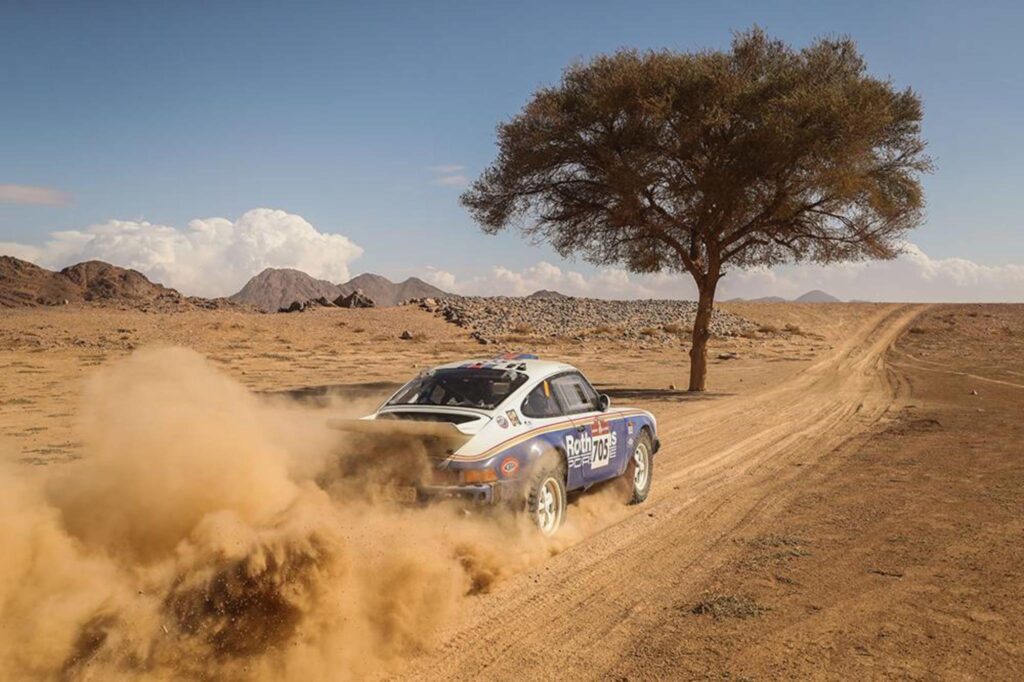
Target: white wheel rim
column 640, row 468
column 549, row 506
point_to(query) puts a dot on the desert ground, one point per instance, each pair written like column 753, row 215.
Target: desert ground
column 847, row 501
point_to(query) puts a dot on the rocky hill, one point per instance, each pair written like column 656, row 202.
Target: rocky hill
column 547, row 293
column 25, row 284
column 383, row 292
column 277, row 288
column 816, row 296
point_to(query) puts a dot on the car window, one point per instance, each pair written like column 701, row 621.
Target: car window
column 541, row 403
column 482, row 388
column 574, row 393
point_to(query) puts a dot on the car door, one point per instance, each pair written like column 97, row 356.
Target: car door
column 543, row 412
column 596, row 441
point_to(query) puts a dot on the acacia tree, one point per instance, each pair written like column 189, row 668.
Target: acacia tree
column 700, row 162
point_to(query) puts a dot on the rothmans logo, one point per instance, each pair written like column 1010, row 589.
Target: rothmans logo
column 595, row 446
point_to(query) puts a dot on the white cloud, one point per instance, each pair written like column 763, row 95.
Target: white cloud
column 22, row 251
column 449, row 175
column 447, row 169
column 914, row 276
column 452, row 181
column 31, row 194
column 440, row 278
column 502, row 281
column 212, row 257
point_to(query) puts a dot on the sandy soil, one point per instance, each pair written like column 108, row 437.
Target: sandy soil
column 846, row 502
column 856, row 520
column 46, row 355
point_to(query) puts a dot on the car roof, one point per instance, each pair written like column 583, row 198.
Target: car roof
column 531, row 365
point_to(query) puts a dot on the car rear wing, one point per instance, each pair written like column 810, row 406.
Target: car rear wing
column 441, row 436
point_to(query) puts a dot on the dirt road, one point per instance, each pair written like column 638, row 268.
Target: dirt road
column 591, row 610
column 848, row 504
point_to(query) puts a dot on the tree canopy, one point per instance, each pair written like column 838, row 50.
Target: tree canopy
column 701, row 161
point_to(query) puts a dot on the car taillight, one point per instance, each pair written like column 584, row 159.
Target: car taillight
column 478, row 475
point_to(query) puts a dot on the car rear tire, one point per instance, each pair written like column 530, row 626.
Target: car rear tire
column 640, row 468
column 546, row 498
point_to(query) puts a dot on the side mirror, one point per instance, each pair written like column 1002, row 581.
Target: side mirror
column 604, row 402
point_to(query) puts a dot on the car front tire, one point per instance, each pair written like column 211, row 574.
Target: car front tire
column 640, row 468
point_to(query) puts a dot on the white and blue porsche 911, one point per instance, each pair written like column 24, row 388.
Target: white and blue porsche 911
column 517, row 430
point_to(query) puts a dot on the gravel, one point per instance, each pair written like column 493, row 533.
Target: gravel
column 658, row 321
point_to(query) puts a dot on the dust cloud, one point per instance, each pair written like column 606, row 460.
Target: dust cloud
column 210, row 533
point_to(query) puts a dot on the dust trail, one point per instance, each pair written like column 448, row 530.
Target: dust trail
column 207, row 533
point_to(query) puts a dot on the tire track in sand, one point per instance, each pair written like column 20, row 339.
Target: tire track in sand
column 723, row 463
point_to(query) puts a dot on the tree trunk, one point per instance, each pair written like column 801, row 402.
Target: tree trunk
column 701, row 334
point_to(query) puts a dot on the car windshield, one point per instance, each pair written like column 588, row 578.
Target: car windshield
column 480, row 388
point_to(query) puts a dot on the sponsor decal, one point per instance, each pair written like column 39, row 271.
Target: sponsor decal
column 629, row 428
column 502, row 422
column 513, row 418
column 594, row 447
column 509, row 466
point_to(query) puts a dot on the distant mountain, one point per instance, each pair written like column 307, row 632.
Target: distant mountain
column 816, row 296
column 763, row 299
column 25, row 284
column 547, row 293
column 383, row 292
column 277, row 288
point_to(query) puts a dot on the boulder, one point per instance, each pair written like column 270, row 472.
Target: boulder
column 357, row 299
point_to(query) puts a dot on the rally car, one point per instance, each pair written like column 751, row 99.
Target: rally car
column 517, row 430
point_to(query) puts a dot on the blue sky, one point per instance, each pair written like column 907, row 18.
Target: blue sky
column 348, row 114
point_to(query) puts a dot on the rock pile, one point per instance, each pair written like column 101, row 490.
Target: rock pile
column 659, row 321
column 357, row 299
